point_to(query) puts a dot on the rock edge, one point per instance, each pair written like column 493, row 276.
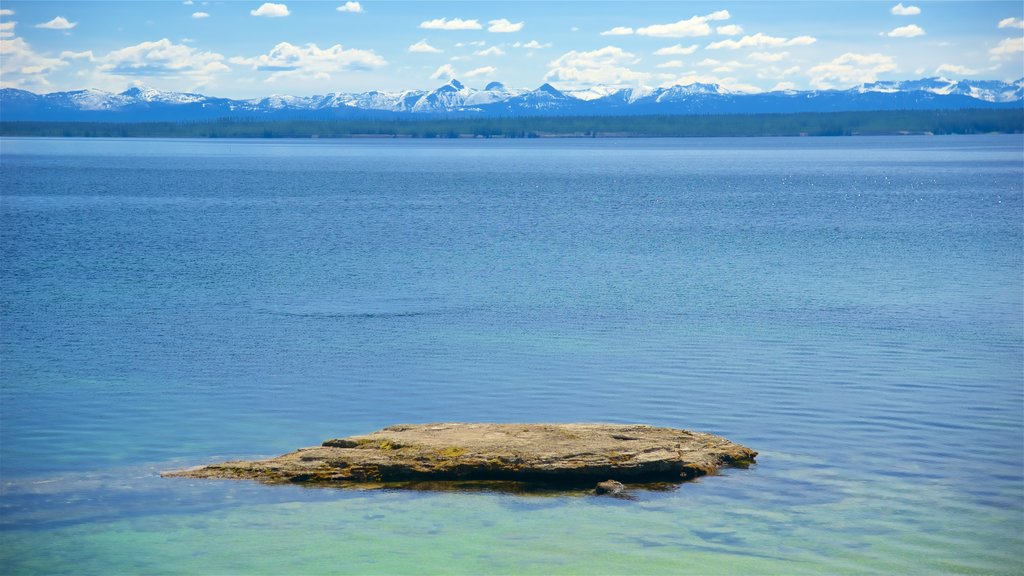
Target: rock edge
column 549, row 454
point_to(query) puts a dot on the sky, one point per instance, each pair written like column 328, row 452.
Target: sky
column 249, row 49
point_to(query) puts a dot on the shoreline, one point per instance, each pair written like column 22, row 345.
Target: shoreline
column 556, row 136
column 863, row 123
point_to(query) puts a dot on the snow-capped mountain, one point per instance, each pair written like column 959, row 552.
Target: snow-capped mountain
column 373, row 100
column 92, row 99
column 493, row 92
column 141, row 104
column 546, row 98
column 281, row 101
column 988, row 90
column 591, row 92
column 451, row 96
column 145, row 94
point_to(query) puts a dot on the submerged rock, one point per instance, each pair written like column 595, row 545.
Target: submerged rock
column 550, row 454
column 610, row 487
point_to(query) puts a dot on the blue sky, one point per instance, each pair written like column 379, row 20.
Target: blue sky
column 243, row 49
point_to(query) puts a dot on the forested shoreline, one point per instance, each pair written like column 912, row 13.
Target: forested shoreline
column 799, row 124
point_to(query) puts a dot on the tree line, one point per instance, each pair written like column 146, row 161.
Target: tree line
column 793, row 124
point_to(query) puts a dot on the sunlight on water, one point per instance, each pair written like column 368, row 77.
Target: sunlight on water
column 851, row 308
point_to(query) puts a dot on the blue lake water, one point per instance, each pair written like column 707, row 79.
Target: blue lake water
column 852, row 308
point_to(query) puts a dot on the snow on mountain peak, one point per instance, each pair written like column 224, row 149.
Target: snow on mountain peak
column 497, row 99
column 986, row 90
column 550, row 90
column 143, row 93
column 492, row 93
column 93, row 99
column 591, row 93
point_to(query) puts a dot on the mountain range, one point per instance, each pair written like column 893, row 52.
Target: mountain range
column 141, row 104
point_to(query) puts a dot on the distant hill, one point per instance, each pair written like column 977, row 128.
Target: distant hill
column 495, row 100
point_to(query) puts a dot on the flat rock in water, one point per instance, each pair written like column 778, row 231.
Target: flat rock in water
column 550, row 454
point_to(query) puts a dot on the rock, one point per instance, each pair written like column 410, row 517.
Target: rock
column 549, row 454
column 610, row 487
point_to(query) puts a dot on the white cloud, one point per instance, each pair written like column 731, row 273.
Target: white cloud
column 1007, row 48
column 162, row 58
column 767, row 56
column 729, row 30
column 676, row 50
column 783, row 86
column 6, row 12
column 354, row 7
column 850, row 69
column 760, row 40
column 721, row 66
column 188, row 2
column 453, row 24
column 84, row 55
column 671, row 64
column 956, row 69
column 618, row 31
column 482, row 71
column 287, row 60
column 901, row 10
column 445, row 72
column 607, row 56
column 423, row 47
column 200, row 15
column 23, row 67
column 532, row 44
column 1011, row 23
column 492, row 51
column 729, row 66
column 608, row 65
column 271, row 10
column 801, row 41
column 908, row 31
column 503, row 25
column 695, row 26
column 58, row 23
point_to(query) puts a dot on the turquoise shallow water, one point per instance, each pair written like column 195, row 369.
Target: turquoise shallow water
column 851, row 308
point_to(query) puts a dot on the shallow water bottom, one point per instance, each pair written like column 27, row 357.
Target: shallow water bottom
column 791, row 516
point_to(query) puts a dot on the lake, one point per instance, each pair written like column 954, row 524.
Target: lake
column 852, row 308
